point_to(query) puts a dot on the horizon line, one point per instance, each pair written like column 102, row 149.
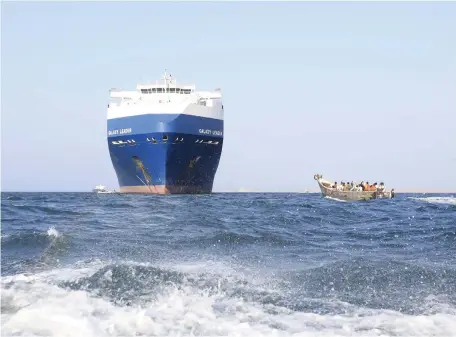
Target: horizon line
column 215, row 192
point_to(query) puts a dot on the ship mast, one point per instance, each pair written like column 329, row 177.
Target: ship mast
column 165, row 77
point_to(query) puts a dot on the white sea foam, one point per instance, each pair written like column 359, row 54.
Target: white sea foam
column 34, row 305
column 53, row 232
column 438, row 200
column 335, row 199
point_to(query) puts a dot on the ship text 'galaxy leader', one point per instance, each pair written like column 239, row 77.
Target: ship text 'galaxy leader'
column 165, row 137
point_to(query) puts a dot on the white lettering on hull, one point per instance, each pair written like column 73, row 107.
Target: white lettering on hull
column 119, row 132
column 211, row 132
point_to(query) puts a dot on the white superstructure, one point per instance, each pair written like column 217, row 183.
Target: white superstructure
column 165, row 96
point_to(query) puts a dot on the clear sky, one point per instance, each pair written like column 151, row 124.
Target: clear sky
column 355, row 91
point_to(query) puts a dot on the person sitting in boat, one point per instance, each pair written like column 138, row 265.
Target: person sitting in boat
column 341, row 186
column 346, row 185
column 381, row 187
column 373, row 187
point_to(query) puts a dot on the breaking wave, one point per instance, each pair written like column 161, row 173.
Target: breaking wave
column 437, row 200
column 131, row 299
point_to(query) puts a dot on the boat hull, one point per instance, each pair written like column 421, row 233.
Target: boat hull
column 167, row 154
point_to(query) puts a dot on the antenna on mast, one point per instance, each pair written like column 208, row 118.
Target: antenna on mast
column 166, row 79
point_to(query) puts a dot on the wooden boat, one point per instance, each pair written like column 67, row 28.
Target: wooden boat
column 327, row 191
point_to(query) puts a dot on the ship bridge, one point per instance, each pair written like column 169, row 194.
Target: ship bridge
column 165, row 90
column 166, row 85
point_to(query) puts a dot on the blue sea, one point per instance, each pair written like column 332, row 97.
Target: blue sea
column 229, row 264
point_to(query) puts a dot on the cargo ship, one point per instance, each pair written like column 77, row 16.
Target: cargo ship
column 165, row 137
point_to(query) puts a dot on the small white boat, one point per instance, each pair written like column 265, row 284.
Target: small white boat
column 100, row 189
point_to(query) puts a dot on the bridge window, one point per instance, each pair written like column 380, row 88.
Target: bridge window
column 166, row 90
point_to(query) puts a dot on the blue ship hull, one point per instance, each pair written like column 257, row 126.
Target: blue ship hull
column 166, row 154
